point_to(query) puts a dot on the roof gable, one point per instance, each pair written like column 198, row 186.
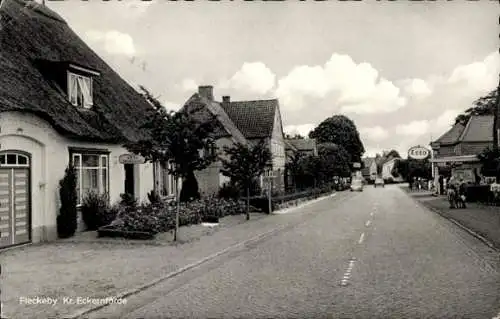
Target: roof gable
column 35, row 33
column 303, row 144
column 452, row 136
column 479, row 129
column 255, row 119
column 226, row 127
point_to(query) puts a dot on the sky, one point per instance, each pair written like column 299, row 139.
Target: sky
column 400, row 70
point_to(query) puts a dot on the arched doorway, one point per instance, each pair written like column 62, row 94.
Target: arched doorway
column 15, row 195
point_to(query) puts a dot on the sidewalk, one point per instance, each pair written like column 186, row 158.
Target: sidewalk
column 480, row 219
column 99, row 268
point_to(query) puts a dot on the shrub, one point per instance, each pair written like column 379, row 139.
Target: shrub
column 189, row 189
column 229, row 191
column 96, row 211
column 128, row 200
column 67, row 218
column 154, row 197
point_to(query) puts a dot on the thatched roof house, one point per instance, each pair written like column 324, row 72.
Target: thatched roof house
column 60, row 103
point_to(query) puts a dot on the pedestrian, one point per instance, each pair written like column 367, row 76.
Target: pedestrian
column 461, row 193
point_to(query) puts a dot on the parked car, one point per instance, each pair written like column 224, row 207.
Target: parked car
column 379, row 182
column 356, row 185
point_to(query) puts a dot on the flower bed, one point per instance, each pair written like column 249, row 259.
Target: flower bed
column 145, row 221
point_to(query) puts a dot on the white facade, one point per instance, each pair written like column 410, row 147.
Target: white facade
column 49, row 154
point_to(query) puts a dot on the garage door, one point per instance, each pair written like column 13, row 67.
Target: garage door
column 14, row 199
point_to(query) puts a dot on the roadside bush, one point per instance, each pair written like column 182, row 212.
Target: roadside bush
column 67, row 218
column 229, row 191
column 160, row 217
column 128, row 200
column 96, row 211
column 154, row 197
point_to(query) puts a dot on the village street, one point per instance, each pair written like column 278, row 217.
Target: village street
column 376, row 254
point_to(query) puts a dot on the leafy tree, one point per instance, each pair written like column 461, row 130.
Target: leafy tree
column 336, row 159
column 490, row 160
column 392, row 154
column 177, row 138
column 245, row 164
column 409, row 168
column 294, row 168
column 485, row 105
column 340, row 130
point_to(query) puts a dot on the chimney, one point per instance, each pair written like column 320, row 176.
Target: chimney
column 207, row 91
column 226, row 99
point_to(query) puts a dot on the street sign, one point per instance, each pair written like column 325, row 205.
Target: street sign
column 131, row 159
column 418, row 152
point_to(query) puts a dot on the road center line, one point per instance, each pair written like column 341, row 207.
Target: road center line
column 371, row 214
column 368, row 223
column 361, row 238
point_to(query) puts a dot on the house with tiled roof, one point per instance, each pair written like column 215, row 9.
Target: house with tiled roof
column 369, row 170
column 243, row 122
column 305, row 146
column 60, row 103
column 455, row 152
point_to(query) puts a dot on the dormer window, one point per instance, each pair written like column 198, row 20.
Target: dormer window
column 80, row 90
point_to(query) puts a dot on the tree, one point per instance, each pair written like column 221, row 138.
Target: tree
column 340, row 130
column 490, row 160
column 177, row 138
column 409, row 168
column 294, row 168
column 336, row 159
column 392, row 154
column 245, row 164
column 485, row 105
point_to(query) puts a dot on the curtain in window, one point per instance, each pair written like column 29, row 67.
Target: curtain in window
column 73, row 89
column 84, row 85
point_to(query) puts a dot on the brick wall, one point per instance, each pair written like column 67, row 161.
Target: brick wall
column 471, row 148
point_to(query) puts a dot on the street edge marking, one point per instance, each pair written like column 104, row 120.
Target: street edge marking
column 289, row 209
column 361, row 238
column 134, row 291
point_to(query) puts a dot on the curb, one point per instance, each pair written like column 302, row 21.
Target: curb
column 460, row 225
column 289, row 209
column 463, row 227
column 134, row 291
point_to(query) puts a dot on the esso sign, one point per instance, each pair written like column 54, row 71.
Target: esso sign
column 418, row 152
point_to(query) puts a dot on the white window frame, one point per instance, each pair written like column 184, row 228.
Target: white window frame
column 100, row 169
column 87, row 103
column 159, row 172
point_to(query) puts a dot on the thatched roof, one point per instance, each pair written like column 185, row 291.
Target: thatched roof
column 36, row 45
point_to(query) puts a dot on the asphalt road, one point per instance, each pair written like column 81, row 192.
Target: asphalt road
column 374, row 254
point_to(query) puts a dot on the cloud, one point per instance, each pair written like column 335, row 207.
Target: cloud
column 375, row 133
column 417, row 88
column 254, row 77
column 302, row 129
column 349, row 87
column 171, row 105
column 414, row 128
column 189, row 85
column 114, row 42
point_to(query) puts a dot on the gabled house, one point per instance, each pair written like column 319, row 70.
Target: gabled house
column 455, row 152
column 387, row 167
column 306, row 146
column 60, row 103
column 243, row 122
column 369, row 170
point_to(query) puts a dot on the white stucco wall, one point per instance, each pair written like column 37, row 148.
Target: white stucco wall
column 49, row 158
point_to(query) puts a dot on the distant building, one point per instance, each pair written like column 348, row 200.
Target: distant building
column 369, row 171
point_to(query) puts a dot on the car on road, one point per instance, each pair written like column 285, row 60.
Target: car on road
column 356, row 185
column 379, row 182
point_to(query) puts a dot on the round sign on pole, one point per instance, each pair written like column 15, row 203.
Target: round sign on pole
column 418, row 152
